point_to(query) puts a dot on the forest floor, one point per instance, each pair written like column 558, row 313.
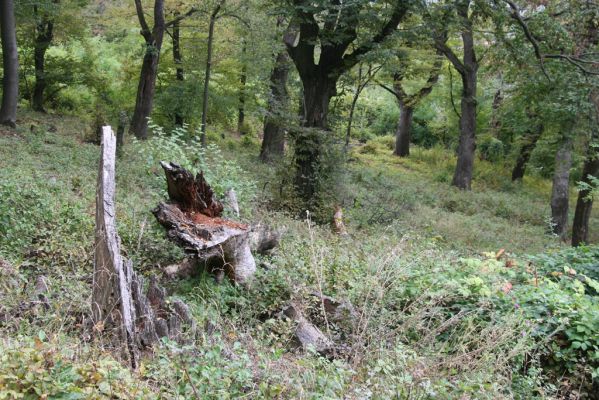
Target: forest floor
column 442, row 312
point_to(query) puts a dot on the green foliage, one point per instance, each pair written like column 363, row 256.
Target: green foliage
column 39, row 368
column 490, row 148
column 183, row 148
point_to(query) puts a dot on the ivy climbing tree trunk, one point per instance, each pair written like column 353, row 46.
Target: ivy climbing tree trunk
column 10, row 64
column 273, row 143
column 319, row 79
column 560, row 190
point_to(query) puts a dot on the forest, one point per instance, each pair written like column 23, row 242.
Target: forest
column 299, row 199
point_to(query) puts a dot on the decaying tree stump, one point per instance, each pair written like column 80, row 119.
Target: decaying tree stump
column 118, row 301
column 193, row 220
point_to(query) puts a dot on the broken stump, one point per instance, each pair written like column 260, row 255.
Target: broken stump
column 118, row 300
column 192, row 218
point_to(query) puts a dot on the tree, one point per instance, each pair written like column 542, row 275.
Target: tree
column 363, row 79
column 149, row 68
column 408, row 102
column 331, row 25
column 560, row 192
column 213, row 18
column 589, row 181
column 273, row 143
column 178, row 59
column 530, row 139
column 44, row 33
column 10, row 64
column 243, row 76
column 467, row 67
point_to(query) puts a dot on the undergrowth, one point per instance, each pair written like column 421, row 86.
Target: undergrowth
column 441, row 312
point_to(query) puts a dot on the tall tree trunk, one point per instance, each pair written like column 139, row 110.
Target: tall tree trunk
column 149, row 69
column 462, row 177
column 213, row 17
column 318, row 91
column 145, row 94
column 242, row 81
column 584, row 204
column 561, row 188
column 10, row 63
column 404, row 127
column 43, row 38
column 273, row 143
column 178, row 59
column 530, row 142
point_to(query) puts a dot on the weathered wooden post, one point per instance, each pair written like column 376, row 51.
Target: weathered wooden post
column 111, row 294
column 118, row 299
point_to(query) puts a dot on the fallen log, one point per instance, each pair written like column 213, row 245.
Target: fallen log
column 118, row 300
column 192, row 218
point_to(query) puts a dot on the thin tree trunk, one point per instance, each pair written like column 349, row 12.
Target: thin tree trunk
column 584, row 204
column 10, row 63
column 526, row 151
column 178, row 59
column 273, row 143
column 560, row 190
column 350, row 119
column 213, row 17
column 352, row 109
column 404, row 127
column 242, row 81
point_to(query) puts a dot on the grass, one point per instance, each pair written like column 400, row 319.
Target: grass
column 435, row 319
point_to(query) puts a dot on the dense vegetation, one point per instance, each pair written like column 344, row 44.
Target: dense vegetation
column 458, row 138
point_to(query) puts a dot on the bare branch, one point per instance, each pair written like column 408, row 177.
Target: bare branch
column 181, row 17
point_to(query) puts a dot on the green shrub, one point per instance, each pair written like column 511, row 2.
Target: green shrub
column 490, row 148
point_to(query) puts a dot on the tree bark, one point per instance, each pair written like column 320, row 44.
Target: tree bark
column 530, row 142
column 318, row 91
column 242, row 81
column 213, row 18
column 10, row 63
column 273, row 143
column 404, row 127
column 468, row 68
column 462, row 177
column 149, row 68
column 584, row 204
column 561, row 188
column 178, row 59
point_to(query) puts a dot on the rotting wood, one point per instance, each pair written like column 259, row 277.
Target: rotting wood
column 193, row 220
column 306, row 333
column 118, row 300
